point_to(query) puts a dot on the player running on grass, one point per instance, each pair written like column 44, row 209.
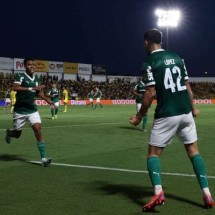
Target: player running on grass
column 90, row 95
column 7, row 100
column 98, row 96
column 139, row 91
column 25, row 109
column 53, row 93
column 166, row 79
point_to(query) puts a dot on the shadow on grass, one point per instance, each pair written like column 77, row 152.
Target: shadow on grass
column 48, row 118
column 138, row 193
column 131, row 128
column 5, row 157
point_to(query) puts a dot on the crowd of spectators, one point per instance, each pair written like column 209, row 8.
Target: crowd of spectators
column 117, row 89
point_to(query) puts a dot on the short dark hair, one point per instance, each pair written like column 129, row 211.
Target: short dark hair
column 153, row 35
column 27, row 59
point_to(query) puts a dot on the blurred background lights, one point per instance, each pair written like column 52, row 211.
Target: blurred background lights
column 168, row 17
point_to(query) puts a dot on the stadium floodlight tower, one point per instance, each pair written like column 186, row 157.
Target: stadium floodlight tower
column 167, row 18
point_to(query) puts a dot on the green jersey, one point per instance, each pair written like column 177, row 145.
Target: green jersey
column 98, row 93
column 90, row 95
column 140, row 89
column 167, row 72
column 25, row 103
column 7, row 94
column 54, row 93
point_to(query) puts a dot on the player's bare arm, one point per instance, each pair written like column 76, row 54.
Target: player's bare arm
column 195, row 111
column 18, row 87
column 149, row 95
column 42, row 96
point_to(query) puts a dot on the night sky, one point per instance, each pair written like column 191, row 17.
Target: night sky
column 108, row 32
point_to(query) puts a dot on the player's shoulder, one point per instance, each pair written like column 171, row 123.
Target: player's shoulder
column 19, row 75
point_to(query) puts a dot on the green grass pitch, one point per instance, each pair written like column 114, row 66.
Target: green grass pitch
column 99, row 165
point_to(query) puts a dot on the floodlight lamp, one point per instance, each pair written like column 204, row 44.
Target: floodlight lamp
column 168, row 17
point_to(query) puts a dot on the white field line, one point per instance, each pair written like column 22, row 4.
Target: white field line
column 118, row 169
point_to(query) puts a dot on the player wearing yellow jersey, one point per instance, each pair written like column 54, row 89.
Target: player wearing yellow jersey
column 65, row 98
column 12, row 99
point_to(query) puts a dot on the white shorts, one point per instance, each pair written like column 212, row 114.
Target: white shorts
column 7, row 101
column 91, row 100
column 21, row 119
column 98, row 100
column 138, row 106
column 56, row 104
column 165, row 128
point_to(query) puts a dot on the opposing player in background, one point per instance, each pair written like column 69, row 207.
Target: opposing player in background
column 65, row 95
column 12, row 99
column 166, row 78
column 25, row 109
column 138, row 91
column 54, row 95
column 98, row 96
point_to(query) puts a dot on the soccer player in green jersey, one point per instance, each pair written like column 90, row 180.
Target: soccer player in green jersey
column 25, row 110
column 166, row 79
column 53, row 93
column 138, row 91
column 90, row 95
column 98, row 96
column 7, row 100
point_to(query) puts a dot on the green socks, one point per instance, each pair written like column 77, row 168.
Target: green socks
column 145, row 121
column 52, row 112
column 199, row 169
column 42, row 149
column 56, row 111
column 153, row 165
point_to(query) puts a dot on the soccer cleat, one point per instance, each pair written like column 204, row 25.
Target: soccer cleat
column 52, row 117
column 158, row 199
column 55, row 116
column 208, row 201
column 7, row 136
column 46, row 162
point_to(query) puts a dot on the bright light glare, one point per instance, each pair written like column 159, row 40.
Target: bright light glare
column 168, row 17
